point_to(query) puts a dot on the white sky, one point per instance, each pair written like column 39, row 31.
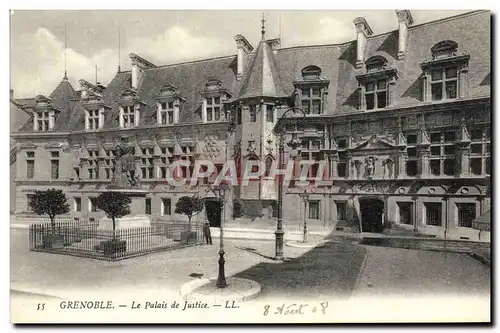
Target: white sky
column 163, row 37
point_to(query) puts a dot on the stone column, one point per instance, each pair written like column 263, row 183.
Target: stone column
column 333, row 159
column 423, row 149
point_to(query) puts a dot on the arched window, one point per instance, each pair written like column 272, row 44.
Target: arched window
column 444, row 49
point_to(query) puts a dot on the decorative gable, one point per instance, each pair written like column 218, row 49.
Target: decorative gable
column 374, row 143
column 214, row 96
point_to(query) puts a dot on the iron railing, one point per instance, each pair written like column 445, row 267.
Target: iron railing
column 88, row 240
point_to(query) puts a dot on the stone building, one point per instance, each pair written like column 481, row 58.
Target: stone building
column 401, row 118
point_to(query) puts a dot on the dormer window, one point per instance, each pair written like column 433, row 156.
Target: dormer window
column 43, row 114
column 130, row 108
column 214, row 96
column 127, row 116
column 214, row 108
column 444, row 83
column 93, row 119
column 94, row 111
column 43, row 121
column 167, row 113
column 376, row 95
column 311, row 90
column 169, row 104
column 375, row 86
column 444, row 76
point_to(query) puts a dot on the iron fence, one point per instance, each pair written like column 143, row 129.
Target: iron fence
column 88, row 240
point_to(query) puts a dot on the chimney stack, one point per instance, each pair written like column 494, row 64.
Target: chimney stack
column 405, row 20
column 363, row 31
column 138, row 66
column 243, row 48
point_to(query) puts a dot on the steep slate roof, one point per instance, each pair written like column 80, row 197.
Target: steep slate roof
column 269, row 74
column 262, row 77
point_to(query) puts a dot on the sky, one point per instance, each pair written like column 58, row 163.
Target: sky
column 37, row 38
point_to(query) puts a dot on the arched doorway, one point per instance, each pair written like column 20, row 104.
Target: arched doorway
column 372, row 212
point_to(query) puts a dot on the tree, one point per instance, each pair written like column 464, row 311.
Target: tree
column 115, row 205
column 50, row 202
column 189, row 206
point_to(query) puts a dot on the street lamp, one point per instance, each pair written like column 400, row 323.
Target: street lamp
column 221, row 192
column 294, row 143
column 305, row 197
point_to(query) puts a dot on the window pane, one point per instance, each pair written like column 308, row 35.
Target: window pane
column 433, row 214
column 476, row 134
column 412, row 152
column 381, row 100
column 342, row 143
column 488, row 165
column 370, row 101
column 315, row 92
column 170, row 117
column 341, row 211
column 475, row 166
column 269, row 114
column 449, row 166
column 170, row 105
column 435, row 166
column 370, row 87
column 341, row 169
column 164, row 106
column 449, row 150
column 253, row 114
column 437, row 91
column 314, row 210
column 316, row 107
column 217, row 113
column 209, row 114
column 411, row 168
column 411, row 139
column 30, row 170
column 449, row 136
column 436, row 151
column 451, row 89
column 54, row 169
column 436, row 75
column 405, row 213
column 466, row 213
column 435, row 137
column 381, row 85
column 306, row 93
column 451, row 73
column 305, row 107
column 476, row 148
column 217, row 100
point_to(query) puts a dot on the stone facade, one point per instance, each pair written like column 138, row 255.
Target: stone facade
column 400, row 119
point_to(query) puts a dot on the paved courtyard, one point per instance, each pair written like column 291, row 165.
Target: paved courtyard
column 338, row 269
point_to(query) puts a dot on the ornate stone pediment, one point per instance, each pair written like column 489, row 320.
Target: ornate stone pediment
column 27, row 145
column 374, row 143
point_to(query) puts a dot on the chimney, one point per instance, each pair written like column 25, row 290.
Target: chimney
column 363, row 31
column 405, row 20
column 138, row 66
column 244, row 48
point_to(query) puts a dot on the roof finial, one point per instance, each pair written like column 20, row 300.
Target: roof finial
column 263, row 27
column 65, row 62
column 119, row 48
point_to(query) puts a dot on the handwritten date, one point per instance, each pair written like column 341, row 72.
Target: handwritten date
column 295, row 309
